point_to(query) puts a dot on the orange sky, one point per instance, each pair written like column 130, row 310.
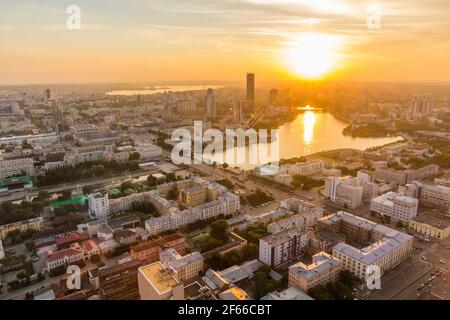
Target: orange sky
column 160, row 40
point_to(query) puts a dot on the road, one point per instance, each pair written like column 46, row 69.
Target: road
column 95, row 182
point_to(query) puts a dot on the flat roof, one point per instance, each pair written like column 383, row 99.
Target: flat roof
column 436, row 219
column 158, row 277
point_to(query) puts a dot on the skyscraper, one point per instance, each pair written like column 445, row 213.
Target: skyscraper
column 238, row 114
column 251, row 91
column 47, row 95
column 210, row 104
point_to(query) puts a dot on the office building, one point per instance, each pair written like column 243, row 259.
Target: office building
column 432, row 224
column 251, row 91
column 186, row 267
column 345, row 191
column 387, row 247
column 210, row 104
column 283, row 247
column 36, row 224
column 10, row 168
column 119, row 282
column 158, row 283
column 395, row 207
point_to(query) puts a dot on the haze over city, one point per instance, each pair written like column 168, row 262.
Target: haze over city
column 225, row 150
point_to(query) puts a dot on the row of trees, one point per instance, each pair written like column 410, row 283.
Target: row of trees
column 84, row 171
column 306, row 183
column 231, row 258
column 341, row 289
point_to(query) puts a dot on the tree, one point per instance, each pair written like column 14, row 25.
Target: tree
column 65, row 195
column 134, row 156
column 262, row 282
column 87, row 189
column 95, row 258
column 399, row 224
column 30, row 245
column 173, row 193
column 219, row 230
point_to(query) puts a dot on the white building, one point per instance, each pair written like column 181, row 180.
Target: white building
column 344, row 191
column 155, row 282
column 210, row 104
column 9, row 168
column 186, row 267
column 307, row 210
column 306, row 168
column 99, row 205
column 64, row 257
column 149, row 152
column 2, row 251
column 396, row 207
column 282, row 247
column 323, row 269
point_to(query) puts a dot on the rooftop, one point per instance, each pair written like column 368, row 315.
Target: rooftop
column 161, row 279
column 434, row 218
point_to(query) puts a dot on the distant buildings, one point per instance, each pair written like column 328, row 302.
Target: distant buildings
column 395, row 207
column 10, row 168
column 30, row 224
column 251, row 91
column 282, row 247
column 323, row 269
column 406, row 176
column 421, row 106
column 238, row 111
column 210, row 104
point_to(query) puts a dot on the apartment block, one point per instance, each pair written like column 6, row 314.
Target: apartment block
column 10, row 168
column 186, row 267
column 158, row 283
column 283, row 247
column 395, row 207
column 36, row 224
column 323, row 269
column 119, row 282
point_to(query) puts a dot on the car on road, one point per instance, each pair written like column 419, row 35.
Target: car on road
column 35, row 259
column 442, row 261
column 424, row 258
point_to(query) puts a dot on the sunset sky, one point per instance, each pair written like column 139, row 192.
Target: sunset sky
column 161, row 40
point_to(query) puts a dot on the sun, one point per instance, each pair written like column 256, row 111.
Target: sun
column 312, row 55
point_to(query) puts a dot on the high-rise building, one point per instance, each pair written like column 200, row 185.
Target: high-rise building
column 210, row 104
column 273, row 96
column 251, row 91
column 238, row 112
column 47, row 95
column 119, row 282
column 421, row 106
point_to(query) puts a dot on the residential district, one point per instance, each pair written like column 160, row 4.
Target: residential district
column 92, row 207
